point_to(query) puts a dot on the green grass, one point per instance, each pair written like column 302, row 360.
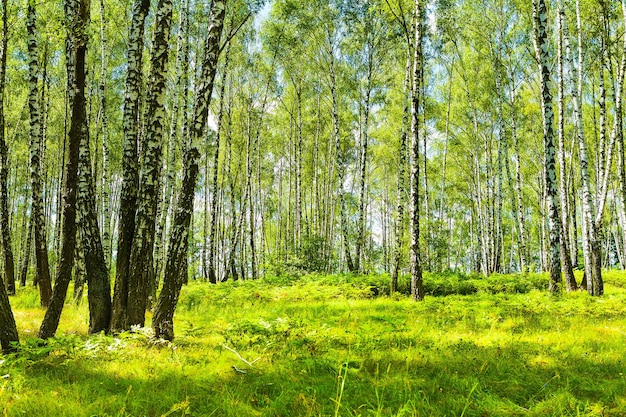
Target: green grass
column 337, row 346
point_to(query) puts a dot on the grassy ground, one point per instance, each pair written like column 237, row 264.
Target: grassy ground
column 336, row 346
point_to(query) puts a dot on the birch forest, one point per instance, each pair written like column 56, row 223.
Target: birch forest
column 148, row 144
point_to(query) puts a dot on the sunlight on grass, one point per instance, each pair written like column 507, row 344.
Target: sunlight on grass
column 327, row 346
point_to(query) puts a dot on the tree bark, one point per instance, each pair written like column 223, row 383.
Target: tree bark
column 179, row 105
column 77, row 16
column 97, row 272
column 400, row 191
column 566, row 260
column 8, row 329
column 162, row 321
column 340, row 166
column 26, row 253
column 141, row 272
column 106, row 187
column 417, row 286
column 7, row 246
column 593, row 273
column 130, row 165
column 364, row 157
column 38, row 216
column 554, row 224
column 212, row 274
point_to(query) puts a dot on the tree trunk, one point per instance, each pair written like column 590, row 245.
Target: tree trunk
column 80, row 276
column 212, row 274
column 180, row 102
column 162, row 321
column 589, row 232
column 26, row 252
column 554, row 223
column 106, row 187
column 141, row 273
column 402, row 151
column 619, row 134
column 417, row 286
column 77, row 16
column 7, row 246
column 97, row 272
column 566, row 261
column 519, row 200
column 363, row 163
column 38, row 216
column 340, row 166
column 130, row 166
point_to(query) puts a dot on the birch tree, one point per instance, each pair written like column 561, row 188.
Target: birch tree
column 77, row 17
column 540, row 16
column 162, row 321
column 566, row 260
column 130, row 165
column 8, row 329
column 141, row 271
column 36, row 152
column 7, row 246
column 417, row 286
column 96, row 270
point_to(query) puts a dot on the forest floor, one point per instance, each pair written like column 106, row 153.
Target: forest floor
column 336, row 346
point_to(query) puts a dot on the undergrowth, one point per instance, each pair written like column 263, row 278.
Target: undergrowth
column 336, row 346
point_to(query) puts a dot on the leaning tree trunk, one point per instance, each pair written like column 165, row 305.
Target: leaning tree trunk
column 38, row 216
column 8, row 329
column 97, row 272
column 554, row 223
column 7, row 246
column 141, row 271
column 77, row 16
column 180, row 102
column 130, row 165
column 417, row 286
column 162, row 321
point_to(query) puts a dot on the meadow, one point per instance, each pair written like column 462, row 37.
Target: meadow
column 336, row 346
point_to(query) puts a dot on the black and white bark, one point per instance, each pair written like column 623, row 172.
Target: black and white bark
column 360, row 247
column 621, row 163
column 212, row 243
column 175, row 267
column 104, row 125
column 180, row 101
column 400, row 190
column 566, row 260
column 141, row 271
column 96, row 270
column 417, row 286
column 77, row 16
column 340, row 164
column 590, row 243
column 37, row 203
column 554, row 223
column 8, row 329
column 130, row 165
column 7, row 246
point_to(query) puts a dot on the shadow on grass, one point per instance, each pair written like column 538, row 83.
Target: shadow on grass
column 424, row 378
